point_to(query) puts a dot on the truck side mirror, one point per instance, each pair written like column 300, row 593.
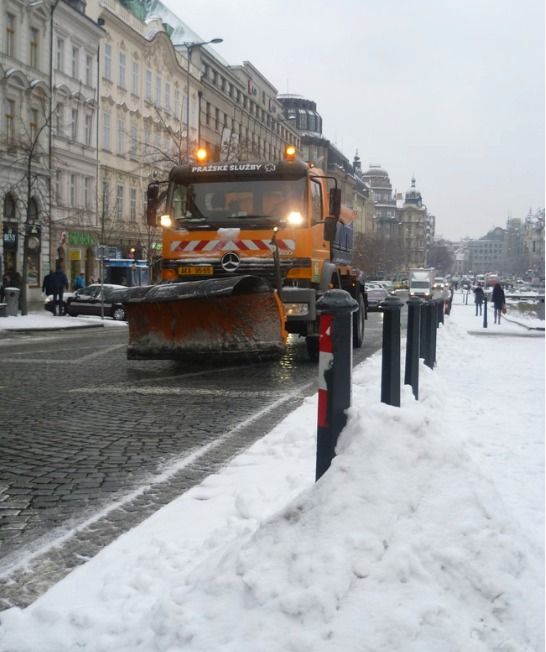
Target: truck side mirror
column 335, row 202
column 330, row 224
column 152, row 194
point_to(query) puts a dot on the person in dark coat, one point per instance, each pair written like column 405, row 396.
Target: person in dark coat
column 479, row 296
column 47, row 285
column 499, row 301
column 60, row 284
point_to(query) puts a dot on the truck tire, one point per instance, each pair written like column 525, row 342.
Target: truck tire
column 359, row 318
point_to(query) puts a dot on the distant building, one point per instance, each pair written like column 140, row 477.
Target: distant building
column 386, row 217
column 412, row 217
column 486, row 254
column 533, row 242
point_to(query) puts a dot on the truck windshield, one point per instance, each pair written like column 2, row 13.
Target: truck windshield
column 420, row 284
column 244, row 204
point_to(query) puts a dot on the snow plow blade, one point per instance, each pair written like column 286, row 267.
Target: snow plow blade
column 237, row 318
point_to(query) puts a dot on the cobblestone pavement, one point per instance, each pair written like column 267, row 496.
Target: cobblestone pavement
column 92, row 444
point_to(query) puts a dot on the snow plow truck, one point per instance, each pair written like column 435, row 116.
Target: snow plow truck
column 248, row 248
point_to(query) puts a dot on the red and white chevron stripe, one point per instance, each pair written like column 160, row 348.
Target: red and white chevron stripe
column 188, row 246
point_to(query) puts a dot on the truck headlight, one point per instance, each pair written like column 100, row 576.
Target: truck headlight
column 294, row 218
column 296, row 309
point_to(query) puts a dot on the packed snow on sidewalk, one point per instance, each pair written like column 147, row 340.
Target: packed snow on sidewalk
column 426, row 534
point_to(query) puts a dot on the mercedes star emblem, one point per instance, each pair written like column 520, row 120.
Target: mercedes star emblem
column 230, row 261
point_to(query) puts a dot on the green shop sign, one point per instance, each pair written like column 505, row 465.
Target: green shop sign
column 81, row 239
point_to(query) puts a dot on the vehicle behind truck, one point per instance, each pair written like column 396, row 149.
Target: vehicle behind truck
column 421, row 282
column 248, row 248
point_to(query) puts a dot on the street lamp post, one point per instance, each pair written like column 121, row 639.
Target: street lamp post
column 190, row 47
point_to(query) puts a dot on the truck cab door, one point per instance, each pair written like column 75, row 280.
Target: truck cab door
column 319, row 210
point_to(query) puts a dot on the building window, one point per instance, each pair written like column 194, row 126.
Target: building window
column 105, row 197
column 122, row 67
column 148, row 87
column 121, row 137
column 207, row 114
column 10, row 119
column 60, row 119
column 133, row 143
column 216, row 119
column 147, row 136
column 74, row 124
column 106, row 131
column 88, row 128
column 76, row 63
column 132, row 204
column 158, row 90
column 89, row 70
column 33, row 124
column 168, row 96
column 119, row 200
column 108, row 62
column 34, row 34
column 135, row 84
column 73, row 190
column 59, row 187
column 176, row 98
column 10, row 35
column 60, row 54
column 86, row 192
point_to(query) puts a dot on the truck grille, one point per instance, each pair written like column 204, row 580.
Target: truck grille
column 264, row 268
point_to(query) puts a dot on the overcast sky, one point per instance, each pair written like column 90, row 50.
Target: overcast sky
column 451, row 91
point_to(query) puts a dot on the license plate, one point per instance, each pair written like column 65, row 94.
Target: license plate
column 195, row 270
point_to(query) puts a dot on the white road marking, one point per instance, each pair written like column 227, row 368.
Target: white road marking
column 83, row 358
column 109, row 389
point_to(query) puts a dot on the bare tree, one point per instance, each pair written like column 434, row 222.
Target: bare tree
column 26, row 146
column 379, row 255
column 441, row 257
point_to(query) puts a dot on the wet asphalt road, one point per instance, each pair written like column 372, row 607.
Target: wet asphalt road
column 86, row 435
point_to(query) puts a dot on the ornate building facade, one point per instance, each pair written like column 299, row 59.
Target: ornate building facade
column 24, row 165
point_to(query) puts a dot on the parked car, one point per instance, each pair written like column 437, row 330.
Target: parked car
column 388, row 285
column 88, row 301
column 376, row 294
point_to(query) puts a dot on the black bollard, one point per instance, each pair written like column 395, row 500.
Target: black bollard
column 485, row 312
column 440, row 311
column 411, row 375
column 424, row 340
column 335, row 366
column 430, row 357
column 390, row 362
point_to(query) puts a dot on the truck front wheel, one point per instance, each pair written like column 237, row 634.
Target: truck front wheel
column 359, row 317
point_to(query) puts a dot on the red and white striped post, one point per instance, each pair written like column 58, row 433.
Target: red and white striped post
column 335, row 366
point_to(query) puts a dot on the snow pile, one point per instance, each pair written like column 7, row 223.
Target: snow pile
column 425, row 535
column 46, row 320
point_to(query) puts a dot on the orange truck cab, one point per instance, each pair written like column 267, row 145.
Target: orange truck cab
column 281, row 221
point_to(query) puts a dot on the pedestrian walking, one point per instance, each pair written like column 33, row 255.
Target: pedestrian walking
column 479, row 296
column 60, row 284
column 499, row 301
column 79, row 282
column 450, row 299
